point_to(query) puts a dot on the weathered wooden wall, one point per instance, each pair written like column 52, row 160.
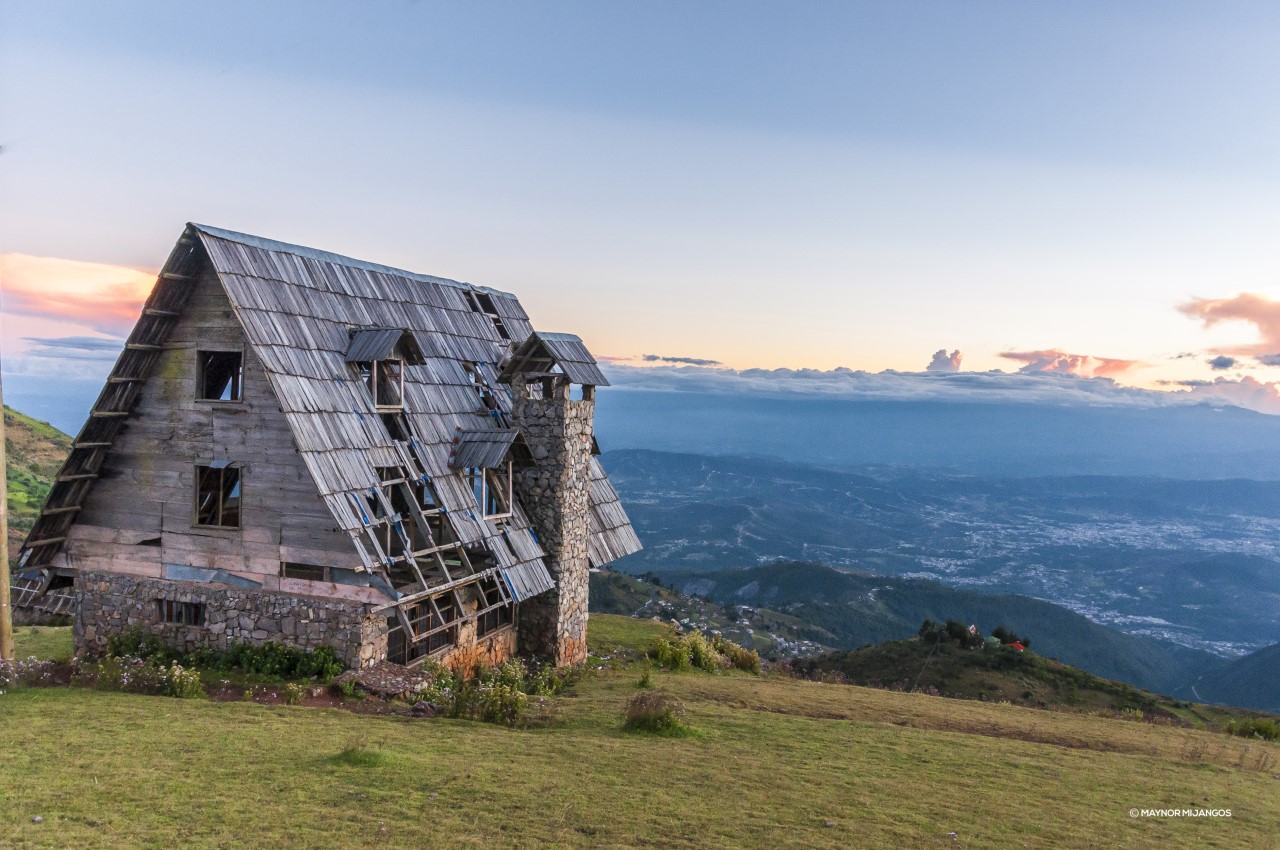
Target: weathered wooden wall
column 147, row 490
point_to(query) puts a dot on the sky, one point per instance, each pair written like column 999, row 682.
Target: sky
column 1079, row 189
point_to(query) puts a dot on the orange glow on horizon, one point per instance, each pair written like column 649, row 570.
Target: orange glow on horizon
column 104, row 297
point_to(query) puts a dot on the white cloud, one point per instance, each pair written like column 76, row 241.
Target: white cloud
column 956, row 387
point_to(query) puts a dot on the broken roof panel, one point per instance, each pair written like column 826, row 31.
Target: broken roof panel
column 381, row 344
column 482, row 449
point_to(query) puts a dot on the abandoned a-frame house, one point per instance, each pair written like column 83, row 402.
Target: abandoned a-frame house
column 300, row 447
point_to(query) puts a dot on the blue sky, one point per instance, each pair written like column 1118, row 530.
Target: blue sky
column 799, row 185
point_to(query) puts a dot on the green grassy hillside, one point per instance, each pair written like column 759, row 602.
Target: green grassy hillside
column 1002, row 674
column 772, row 762
column 34, row 452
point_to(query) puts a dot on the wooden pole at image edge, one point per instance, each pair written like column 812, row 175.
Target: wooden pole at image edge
column 6, row 612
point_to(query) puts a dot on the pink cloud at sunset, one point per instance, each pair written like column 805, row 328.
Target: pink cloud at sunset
column 1257, row 310
column 1081, row 365
column 103, row 297
column 1248, row 392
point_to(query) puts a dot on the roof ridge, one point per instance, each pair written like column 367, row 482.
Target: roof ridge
column 265, row 244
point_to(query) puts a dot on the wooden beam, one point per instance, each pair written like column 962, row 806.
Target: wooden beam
column 66, row 510
column 102, row 445
column 152, row 311
column 115, row 379
column 142, row 346
column 174, row 276
column 109, row 413
column 80, row 477
column 48, row 541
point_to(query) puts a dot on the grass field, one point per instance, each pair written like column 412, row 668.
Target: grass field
column 774, row 762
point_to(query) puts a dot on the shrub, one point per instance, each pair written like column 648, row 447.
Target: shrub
column 739, row 657
column 293, row 693
column 28, row 673
column 183, row 683
column 655, row 711
column 695, row 651
column 147, row 676
column 355, row 755
column 269, row 660
column 1254, row 727
column 671, row 652
column 276, row 660
column 646, row 678
column 136, row 643
column 495, row 695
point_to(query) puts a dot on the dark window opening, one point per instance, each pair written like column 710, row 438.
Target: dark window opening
column 220, row 377
column 492, row 618
column 218, row 496
column 426, row 616
column 385, row 382
column 395, row 425
column 492, row 489
column 306, row 572
column 181, row 613
column 483, row 303
column 150, row 541
column 481, row 386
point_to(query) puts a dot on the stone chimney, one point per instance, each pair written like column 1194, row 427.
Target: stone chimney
column 555, row 492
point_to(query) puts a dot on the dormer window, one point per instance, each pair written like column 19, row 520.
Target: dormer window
column 385, row 381
column 492, row 489
column 380, row 355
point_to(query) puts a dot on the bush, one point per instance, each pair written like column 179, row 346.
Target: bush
column 293, row 694
column 147, row 676
column 1254, row 727
column 495, row 695
column 269, row 660
column 655, row 711
column 694, row 651
column 279, row 661
column 137, row 643
column 28, row 673
column 739, row 657
column 671, row 652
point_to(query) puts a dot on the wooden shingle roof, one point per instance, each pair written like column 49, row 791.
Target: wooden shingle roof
column 304, row 311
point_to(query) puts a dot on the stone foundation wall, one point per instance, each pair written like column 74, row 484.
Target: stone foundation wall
column 111, row 604
column 484, row 653
column 556, row 495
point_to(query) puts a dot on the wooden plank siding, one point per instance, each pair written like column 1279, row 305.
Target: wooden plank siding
column 147, row 486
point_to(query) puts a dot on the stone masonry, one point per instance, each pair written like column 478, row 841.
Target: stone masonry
column 111, row 604
column 555, row 493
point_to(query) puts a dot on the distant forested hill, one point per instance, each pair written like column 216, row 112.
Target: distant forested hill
column 1190, row 562
column 1251, row 682
column 859, row 609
